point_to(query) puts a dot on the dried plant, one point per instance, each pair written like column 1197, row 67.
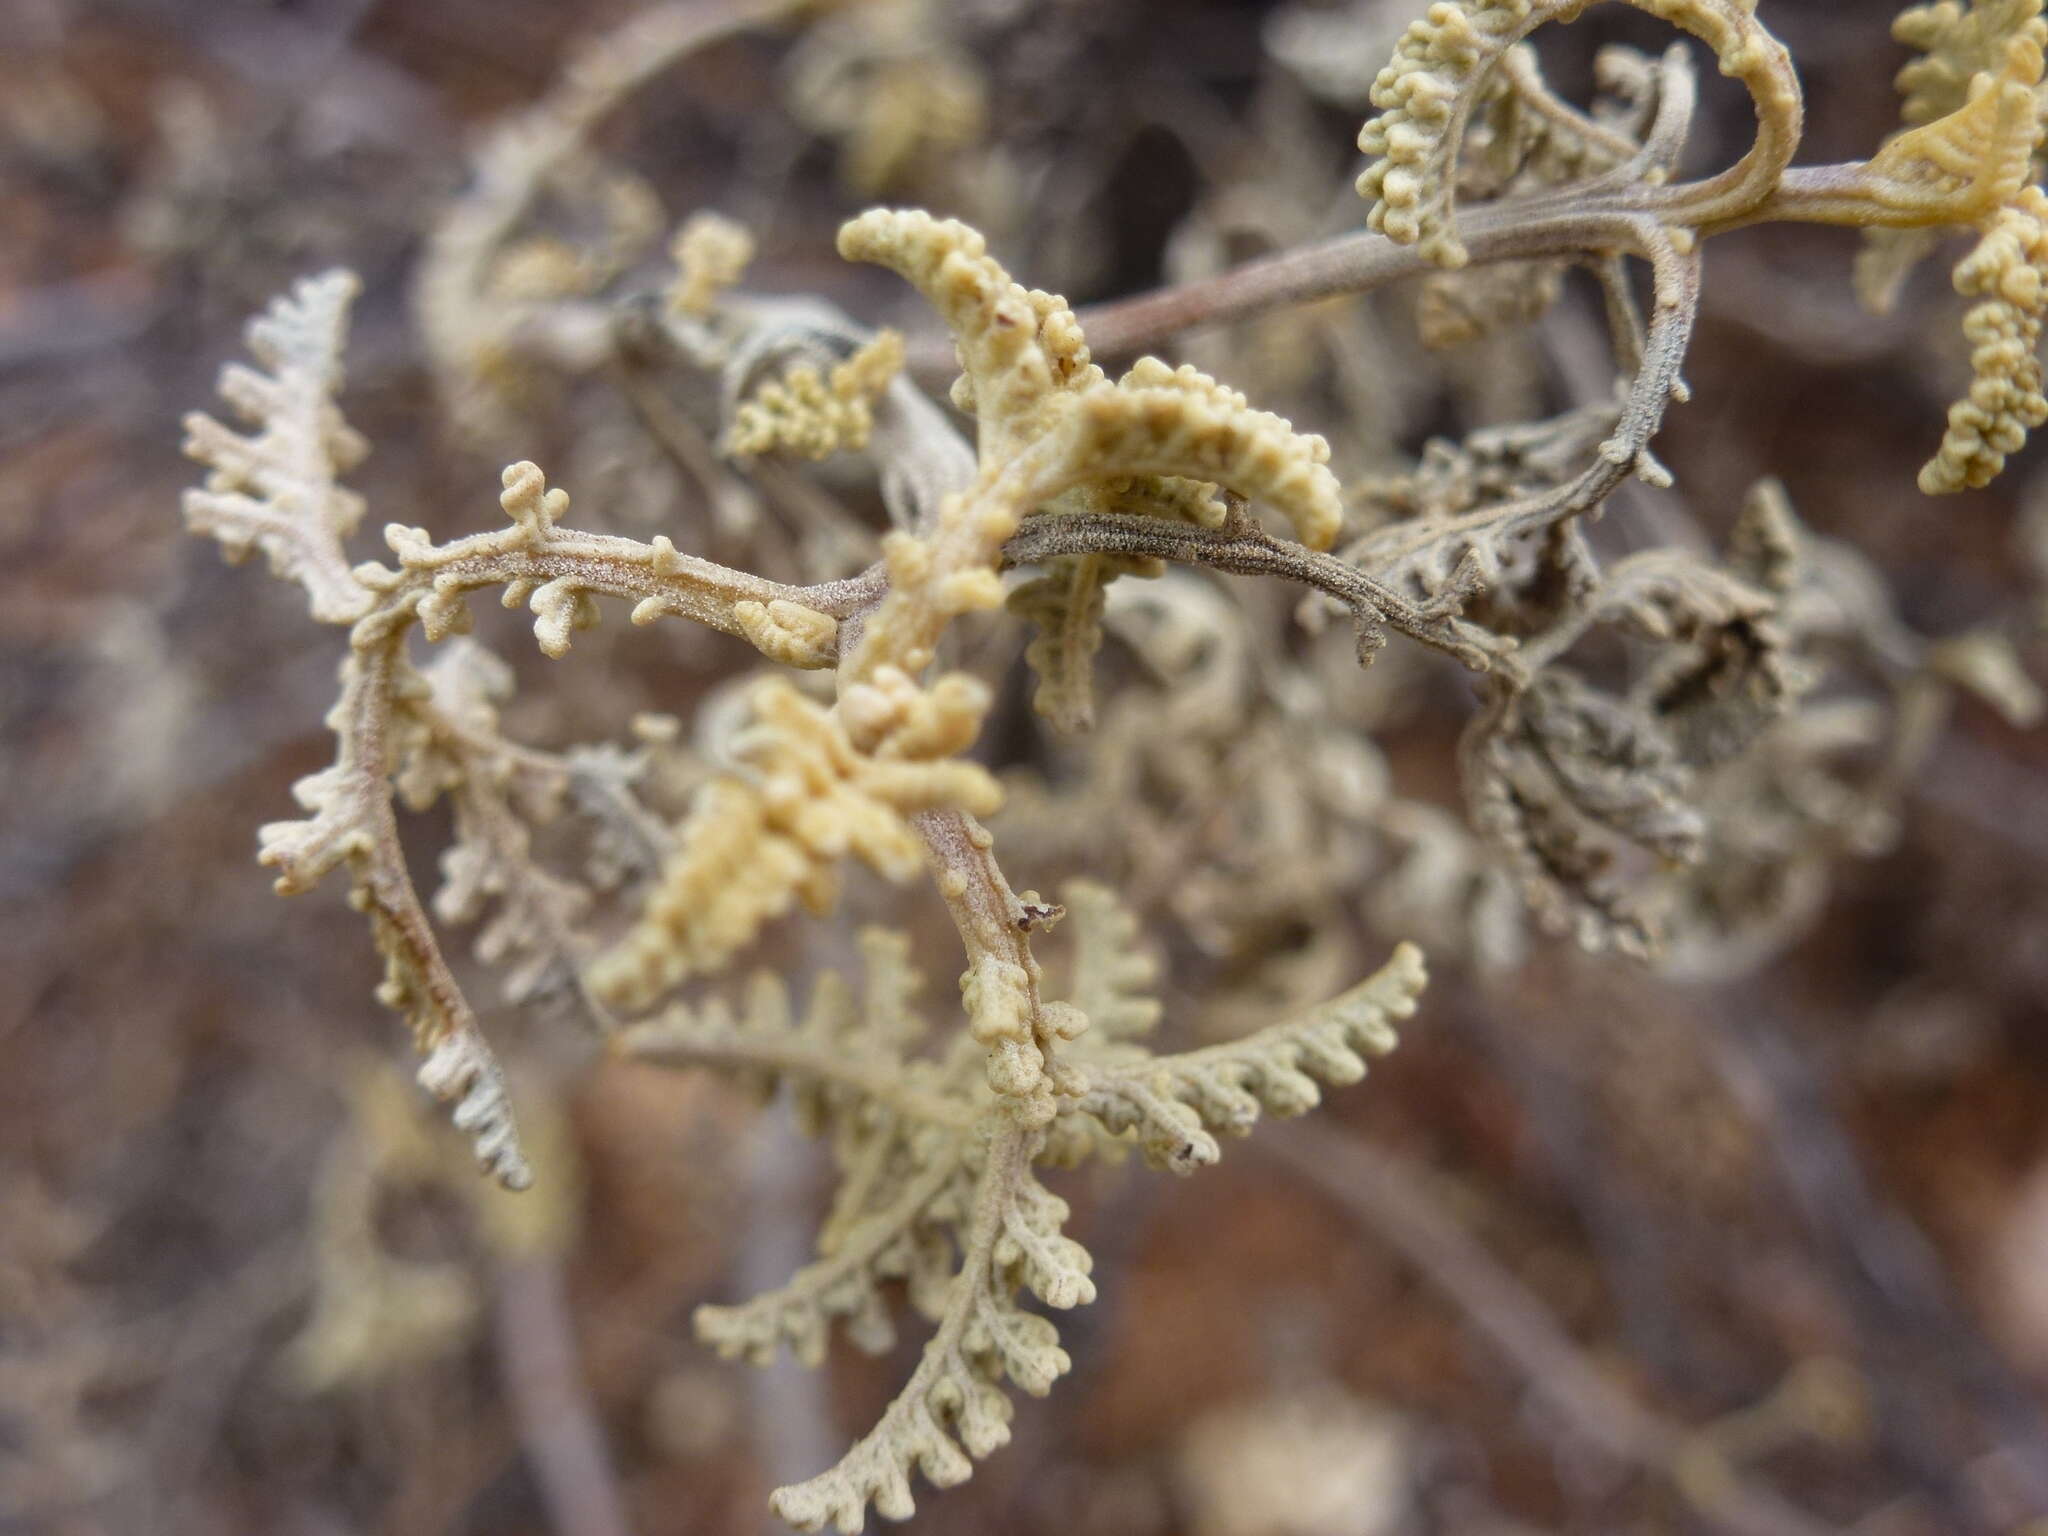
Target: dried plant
column 1681, row 806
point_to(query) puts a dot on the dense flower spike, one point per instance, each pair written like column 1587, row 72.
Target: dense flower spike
column 2008, row 274
column 1429, row 91
column 1017, row 346
column 804, row 413
column 1974, row 136
column 1050, row 423
column 1424, row 96
column 753, row 846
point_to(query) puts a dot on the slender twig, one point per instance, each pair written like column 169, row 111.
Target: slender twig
column 792, row 1421
column 1892, row 1276
column 1247, row 551
column 1553, row 223
column 558, row 1426
column 992, row 922
column 1387, row 1197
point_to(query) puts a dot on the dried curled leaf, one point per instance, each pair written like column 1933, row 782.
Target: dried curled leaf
column 276, row 490
column 353, row 824
column 1173, row 1103
column 1461, row 307
column 1614, row 765
column 1567, row 875
column 1730, row 670
column 1437, row 80
column 1465, row 515
column 953, row 1411
column 1568, row 784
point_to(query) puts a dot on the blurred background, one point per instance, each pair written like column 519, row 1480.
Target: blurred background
column 1596, row 1251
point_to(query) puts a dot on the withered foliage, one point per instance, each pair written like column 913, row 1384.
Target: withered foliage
column 996, row 590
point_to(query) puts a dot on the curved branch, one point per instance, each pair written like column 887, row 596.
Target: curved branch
column 354, row 822
column 556, row 571
column 1564, row 222
column 1244, row 550
column 1001, row 984
column 1387, row 1198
